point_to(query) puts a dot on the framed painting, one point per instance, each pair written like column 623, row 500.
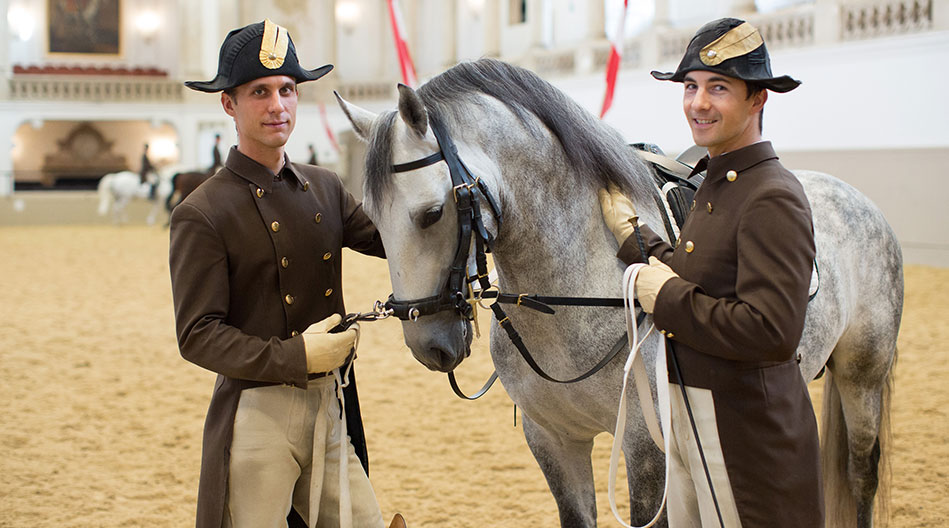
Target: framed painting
column 84, row 26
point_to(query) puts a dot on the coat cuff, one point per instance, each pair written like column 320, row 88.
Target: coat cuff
column 667, row 314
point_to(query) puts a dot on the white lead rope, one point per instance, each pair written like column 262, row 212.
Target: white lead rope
column 322, row 429
column 659, row 430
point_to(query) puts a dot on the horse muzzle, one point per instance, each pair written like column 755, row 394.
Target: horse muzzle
column 440, row 342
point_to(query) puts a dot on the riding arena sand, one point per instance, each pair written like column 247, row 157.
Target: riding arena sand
column 101, row 418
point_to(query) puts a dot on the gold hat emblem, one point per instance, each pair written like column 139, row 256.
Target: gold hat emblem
column 738, row 41
column 273, row 47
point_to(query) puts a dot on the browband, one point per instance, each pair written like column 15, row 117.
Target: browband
column 419, row 163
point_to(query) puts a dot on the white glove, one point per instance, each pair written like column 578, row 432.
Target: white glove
column 619, row 214
column 650, row 281
column 326, row 351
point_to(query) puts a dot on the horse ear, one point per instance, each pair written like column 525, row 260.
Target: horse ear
column 360, row 118
column 412, row 110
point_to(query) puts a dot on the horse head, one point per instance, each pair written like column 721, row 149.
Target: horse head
column 413, row 206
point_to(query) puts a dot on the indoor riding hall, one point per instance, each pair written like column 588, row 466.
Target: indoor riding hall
column 102, row 419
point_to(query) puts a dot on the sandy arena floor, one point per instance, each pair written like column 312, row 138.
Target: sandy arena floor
column 101, row 419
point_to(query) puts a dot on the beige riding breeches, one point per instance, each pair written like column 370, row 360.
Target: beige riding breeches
column 287, row 450
column 690, row 503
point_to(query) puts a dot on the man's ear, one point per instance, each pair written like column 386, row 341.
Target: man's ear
column 228, row 103
column 760, row 99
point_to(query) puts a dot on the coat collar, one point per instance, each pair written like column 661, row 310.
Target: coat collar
column 736, row 160
column 257, row 174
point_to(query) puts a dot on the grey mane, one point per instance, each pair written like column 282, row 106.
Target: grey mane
column 595, row 151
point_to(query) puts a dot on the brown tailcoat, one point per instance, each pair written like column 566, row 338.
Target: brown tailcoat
column 255, row 260
column 735, row 317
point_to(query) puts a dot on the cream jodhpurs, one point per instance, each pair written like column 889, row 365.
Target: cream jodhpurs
column 286, row 451
column 689, row 504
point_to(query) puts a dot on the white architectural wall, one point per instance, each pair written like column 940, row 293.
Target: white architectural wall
column 877, row 95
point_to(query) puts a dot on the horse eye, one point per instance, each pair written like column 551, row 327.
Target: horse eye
column 431, row 216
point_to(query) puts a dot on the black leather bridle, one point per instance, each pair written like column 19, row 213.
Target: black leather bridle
column 467, row 192
column 458, row 295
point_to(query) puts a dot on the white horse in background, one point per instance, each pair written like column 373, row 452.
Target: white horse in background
column 543, row 158
column 118, row 189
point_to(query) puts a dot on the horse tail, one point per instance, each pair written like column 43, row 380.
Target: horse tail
column 882, row 511
column 105, row 194
column 840, row 504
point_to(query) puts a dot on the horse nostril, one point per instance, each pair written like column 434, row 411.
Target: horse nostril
column 443, row 360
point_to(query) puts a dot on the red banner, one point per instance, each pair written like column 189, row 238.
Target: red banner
column 612, row 65
column 398, row 30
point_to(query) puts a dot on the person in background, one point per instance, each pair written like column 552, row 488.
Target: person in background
column 312, row 160
column 146, row 166
column 216, row 155
column 255, row 258
column 730, row 297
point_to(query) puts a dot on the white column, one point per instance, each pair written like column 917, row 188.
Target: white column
column 5, row 36
column 940, row 15
column 595, row 37
column 826, row 22
column 490, row 14
column 8, row 126
column 187, row 127
column 741, row 8
column 661, row 14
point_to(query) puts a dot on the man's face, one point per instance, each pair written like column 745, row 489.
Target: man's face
column 264, row 111
column 721, row 116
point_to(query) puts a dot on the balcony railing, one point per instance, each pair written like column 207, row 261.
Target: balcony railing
column 94, row 89
column 878, row 19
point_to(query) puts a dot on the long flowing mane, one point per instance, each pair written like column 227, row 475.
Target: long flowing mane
column 595, row 151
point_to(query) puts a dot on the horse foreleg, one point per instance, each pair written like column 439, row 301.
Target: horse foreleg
column 567, row 466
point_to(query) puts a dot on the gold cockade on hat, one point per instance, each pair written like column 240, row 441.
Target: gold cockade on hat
column 738, row 41
column 273, row 47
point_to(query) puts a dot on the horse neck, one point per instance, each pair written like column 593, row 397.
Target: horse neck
column 553, row 239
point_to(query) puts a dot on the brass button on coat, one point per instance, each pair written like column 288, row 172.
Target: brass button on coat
column 260, row 192
column 689, row 246
column 731, row 175
column 306, row 186
column 294, row 333
column 329, row 291
column 318, row 218
column 709, row 204
column 284, row 262
column 327, row 255
column 275, row 226
column 288, row 299
column 670, row 335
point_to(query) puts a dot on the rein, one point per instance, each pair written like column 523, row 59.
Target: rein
column 459, row 295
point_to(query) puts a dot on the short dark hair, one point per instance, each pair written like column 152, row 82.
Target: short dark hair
column 753, row 90
column 232, row 93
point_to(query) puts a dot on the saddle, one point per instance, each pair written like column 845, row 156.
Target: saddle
column 675, row 180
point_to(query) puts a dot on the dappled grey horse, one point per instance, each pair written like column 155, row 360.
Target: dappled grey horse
column 542, row 158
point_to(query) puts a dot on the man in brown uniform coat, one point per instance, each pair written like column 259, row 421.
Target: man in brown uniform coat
column 255, row 260
column 732, row 305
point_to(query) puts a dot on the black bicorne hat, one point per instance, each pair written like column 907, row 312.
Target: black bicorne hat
column 257, row 50
column 734, row 48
